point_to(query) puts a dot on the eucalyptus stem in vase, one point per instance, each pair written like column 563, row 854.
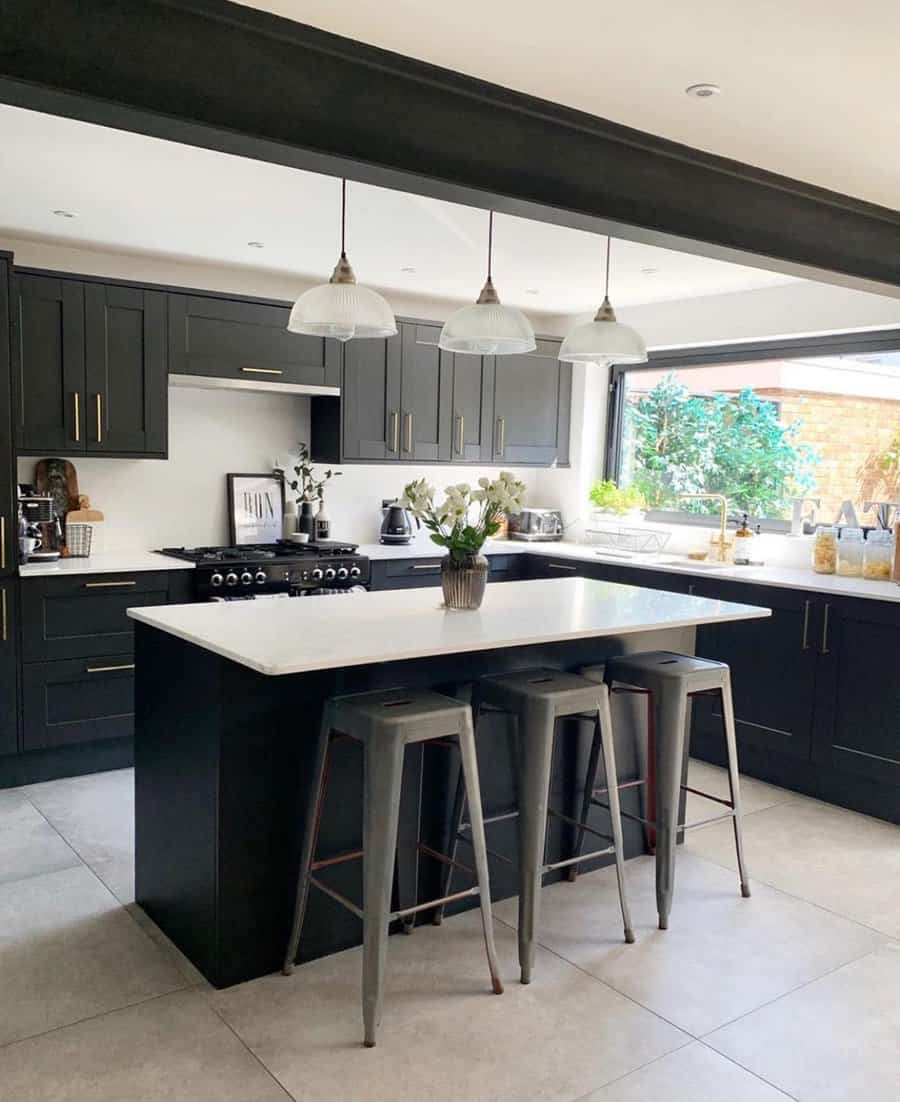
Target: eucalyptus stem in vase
column 464, row 570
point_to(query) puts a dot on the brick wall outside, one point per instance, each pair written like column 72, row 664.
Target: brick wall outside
column 850, row 435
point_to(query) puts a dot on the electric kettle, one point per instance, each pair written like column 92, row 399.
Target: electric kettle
column 396, row 526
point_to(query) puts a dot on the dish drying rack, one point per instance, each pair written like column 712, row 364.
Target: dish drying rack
column 621, row 537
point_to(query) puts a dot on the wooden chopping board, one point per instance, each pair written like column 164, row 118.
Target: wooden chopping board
column 84, row 514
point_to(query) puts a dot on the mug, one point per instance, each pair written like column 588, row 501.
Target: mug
column 28, row 545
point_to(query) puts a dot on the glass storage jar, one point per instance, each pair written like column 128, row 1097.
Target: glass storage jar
column 850, row 553
column 825, row 550
column 877, row 555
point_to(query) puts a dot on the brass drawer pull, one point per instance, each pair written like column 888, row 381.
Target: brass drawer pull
column 501, row 435
column 805, row 644
column 460, row 433
column 3, row 542
column 825, row 649
column 99, row 419
column 108, row 585
column 109, row 669
column 409, row 432
column 394, row 433
column 560, row 566
column 3, row 612
column 426, row 566
column 262, row 370
column 77, row 433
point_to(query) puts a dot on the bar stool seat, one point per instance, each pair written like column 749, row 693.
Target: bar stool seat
column 670, row 681
column 386, row 722
column 537, row 698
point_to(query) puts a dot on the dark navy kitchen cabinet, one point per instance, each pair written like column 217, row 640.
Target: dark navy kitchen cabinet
column 8, row 550
column 9, row 708
column 364, row 423
column 247, row 341
column 82, row 700
column 90, row 367
column 425, row 393
column 532, row 400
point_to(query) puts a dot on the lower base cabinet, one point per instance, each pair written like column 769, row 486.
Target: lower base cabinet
column 9, row 697
column 81, row 700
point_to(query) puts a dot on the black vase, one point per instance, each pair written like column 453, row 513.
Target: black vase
column 306, row 522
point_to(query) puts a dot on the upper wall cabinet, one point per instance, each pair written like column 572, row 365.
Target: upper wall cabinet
column 532, row 399
column 405, row 399
column 234, row 339
column 90, row 368
column 8, row 556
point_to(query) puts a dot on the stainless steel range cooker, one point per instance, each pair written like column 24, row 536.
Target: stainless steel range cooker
column 275, row 570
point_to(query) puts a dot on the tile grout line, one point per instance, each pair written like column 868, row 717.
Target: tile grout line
column 268, row 1071
column 749, row 1071
column 634, row 1071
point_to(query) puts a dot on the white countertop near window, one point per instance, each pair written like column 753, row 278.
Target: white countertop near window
column 784, row 577
column 286, row 637
column 123, row 562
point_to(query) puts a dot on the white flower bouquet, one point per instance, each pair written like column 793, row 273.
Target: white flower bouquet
column 451, row 524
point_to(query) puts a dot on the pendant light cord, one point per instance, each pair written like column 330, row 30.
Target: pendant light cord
column 343, row 215
column 490, row 240
column 608, row 251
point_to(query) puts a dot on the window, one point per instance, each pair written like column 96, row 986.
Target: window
column 762, row 431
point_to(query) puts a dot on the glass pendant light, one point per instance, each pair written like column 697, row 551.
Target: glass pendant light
column 341, row 308
column 487, row 328
column 604, row 340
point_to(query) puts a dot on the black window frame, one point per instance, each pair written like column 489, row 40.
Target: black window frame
column 836, row 344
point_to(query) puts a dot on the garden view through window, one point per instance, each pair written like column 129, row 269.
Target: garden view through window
column 763, row 434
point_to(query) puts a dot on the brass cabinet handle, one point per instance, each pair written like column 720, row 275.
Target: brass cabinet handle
column 501, row 434
column 394, row 434
column 560, row 566
column 109, row 669
column 3, row 542
column 99, row 419
column 409, row 437
column 262, row 370
column 77, row 403
column 426, row 566
column 460, row 433
column 805, row 644
column 107, row 585
column 3, row 611
column 825, row 649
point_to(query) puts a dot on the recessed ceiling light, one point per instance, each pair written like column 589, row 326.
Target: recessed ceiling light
column 256, row 244
column 408, row 269
column 532, row 291
column 649, row 271
column 703, row 91
column 65, row 214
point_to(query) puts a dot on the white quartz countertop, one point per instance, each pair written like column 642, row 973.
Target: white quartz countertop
column 784, row 577
column 124, row 562
column 301, row 635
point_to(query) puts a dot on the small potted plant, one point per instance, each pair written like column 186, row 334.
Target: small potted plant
column 464, row 570
column 310, row 489
column 608, row 498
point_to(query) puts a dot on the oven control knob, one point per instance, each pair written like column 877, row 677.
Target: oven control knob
column 355, row 572
column 260, row 577
column 246, row 578
column 317, row 574
column 216, row 580
column 343, row 572
column 329, row 574
column 231, row 578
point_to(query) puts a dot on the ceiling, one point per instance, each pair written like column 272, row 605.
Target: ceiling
column 810, row 88
column 137, row 194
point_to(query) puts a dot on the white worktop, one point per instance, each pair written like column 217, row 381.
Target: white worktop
column 122, row 562
column 783, row 577
column 297, row 636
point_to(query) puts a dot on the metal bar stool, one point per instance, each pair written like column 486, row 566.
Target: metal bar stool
column 669, row 682
column 386, row 723
column 537, row 698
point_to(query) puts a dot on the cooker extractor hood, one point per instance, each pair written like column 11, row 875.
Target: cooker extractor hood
column 257, row 383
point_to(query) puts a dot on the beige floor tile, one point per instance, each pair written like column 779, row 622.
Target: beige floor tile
column 692, row 1074
column 722, row 955
column 836, row 1040
column 68, row 950
column 846, row 862
column 173, row 1049
column 444, row 1036
column 755, row 795
column 29, row 845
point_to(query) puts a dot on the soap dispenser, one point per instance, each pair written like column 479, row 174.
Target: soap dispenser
column 744, row 540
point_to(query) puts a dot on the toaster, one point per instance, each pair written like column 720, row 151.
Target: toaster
column 536, row 524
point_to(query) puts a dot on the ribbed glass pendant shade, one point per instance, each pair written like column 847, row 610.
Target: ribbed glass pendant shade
column 341, row 308
column 487, row 327
column 604, row 340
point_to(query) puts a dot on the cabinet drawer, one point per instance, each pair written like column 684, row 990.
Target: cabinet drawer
column 425, row 570
column 85, row 615
column 77, row 701
column 227, row 338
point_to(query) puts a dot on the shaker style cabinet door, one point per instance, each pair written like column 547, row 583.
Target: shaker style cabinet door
column 48, row 331
column 9, row 708
column 424, row 395
column 532, row 399
column 8, row 549
column 126, row 391
column 370, row 399
column 471, row 405
column 246, row 341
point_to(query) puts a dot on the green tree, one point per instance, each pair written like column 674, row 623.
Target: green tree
column 724, row 443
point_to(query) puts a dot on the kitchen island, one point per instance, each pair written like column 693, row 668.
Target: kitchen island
column 229, row 699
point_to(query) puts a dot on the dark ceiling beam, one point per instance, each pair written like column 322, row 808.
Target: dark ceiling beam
column 231, row 78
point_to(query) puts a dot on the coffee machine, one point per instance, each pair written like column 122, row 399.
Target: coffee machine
column 39, row 527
